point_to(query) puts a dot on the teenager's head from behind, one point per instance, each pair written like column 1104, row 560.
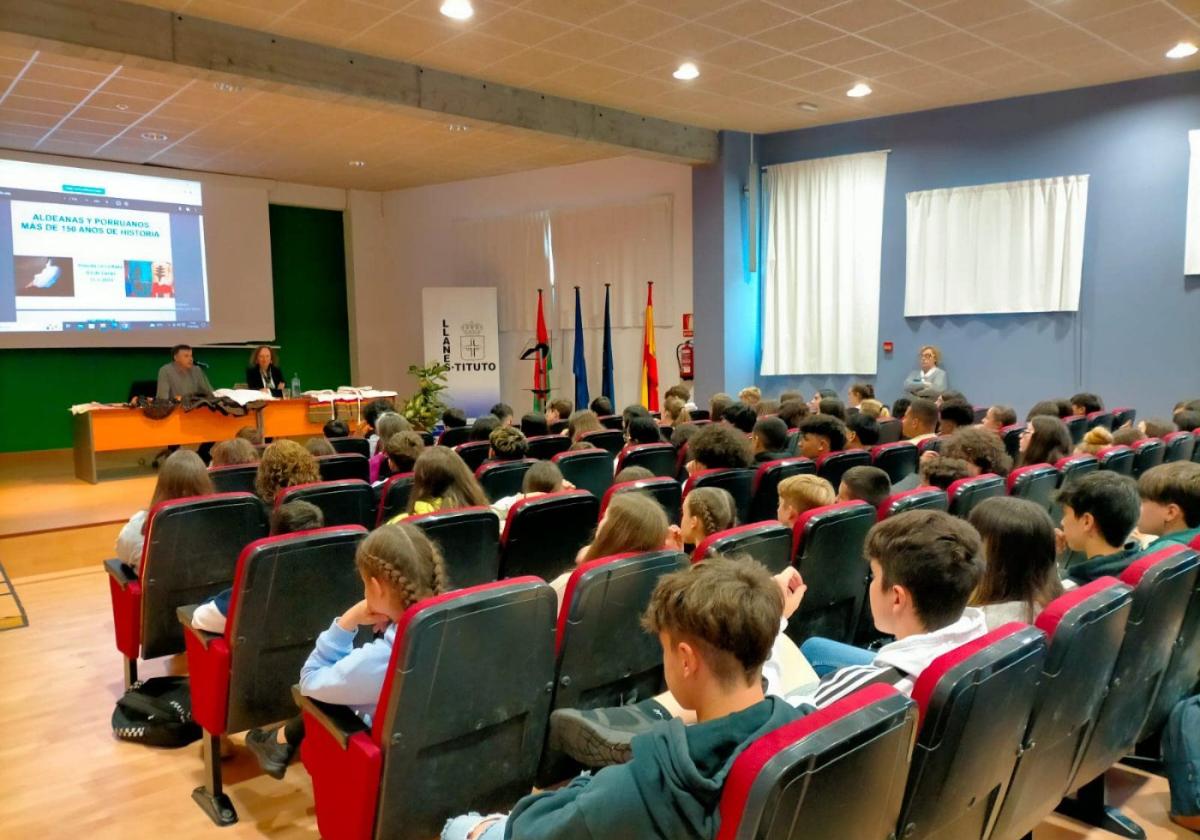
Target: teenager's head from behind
column 630, row 412
column 319, row 447
column 706, row 510
column 403, row 449
column 675, row 411
column 717, row 405
column 924, row 566
column 1047, row 408
column 502, row 412
column 632, row 474
column 1127, row 436
column 390, row 423
column 865, row 484
column 900, row 407
column 507, row 444
column 558, row 410
column 860, row 391
column 792, row 412
column 821, row 434
column 679, row 391
column 542, row 477
column 955, row 415
column 251, row 435
column 284, row 463
column 770, row 435
column 682, row 433
column 862, row 431
column 483, row 426
column 741, row 416
column 581, row 423
column 1170, row 498
column 718, row 446
column 980, row 448
column 533, row 424
column 371, row 413
column 874, row 409
column 1094, row 440
column 291, row 517
column 1157, row 427
column 1085, row 403
column 399, row 566
column 833, row 407
column 1187, row 420
column 643, row 430
column 183, row 474
column 440, row 473
column 454, row 418
column 335, row 429
column 750, row 395
column 601, row 406
column 767, row 408
column 798, row 494
column 999, row 416
column 229, row 453
column 941, row 472
column 632, row 522
column 1100, row 510
column 1044, row 441
column 1018, row 552
column 921, row 418
column 717, row 621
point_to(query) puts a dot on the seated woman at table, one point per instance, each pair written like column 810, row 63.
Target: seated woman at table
column 264, row 373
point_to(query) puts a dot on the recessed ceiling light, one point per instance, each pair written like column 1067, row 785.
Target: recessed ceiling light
column 808, row 106
column 121, row 106
column 458, row 128
column 156, row 136
column 358, row 164
column 686, row 71
column 226, row 87
column 457, row 9
column 1182, row 50
column 859, row 90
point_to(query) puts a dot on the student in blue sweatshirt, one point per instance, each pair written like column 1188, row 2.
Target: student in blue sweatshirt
column 716, row 621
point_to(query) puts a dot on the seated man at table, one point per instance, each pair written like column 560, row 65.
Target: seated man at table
column 180, row 377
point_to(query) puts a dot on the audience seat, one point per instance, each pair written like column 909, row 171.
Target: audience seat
column 1163, row 582
column 980, row 413
column 238, row 478
column 1011, row 435
column 1074, row 466
column 834, row 774
column 457, row 729
column 502, row 478
column 1036, row 483
column 920, row 498
column 342, row 467
column 1100, row 418
column 350, row 501
column 833, row 465
column 974, row 703
column 1121, row 416
column 681, row 463
column 1119, row 459
column 933, row 444
column 545, row 447
column 889, row 430
column 426, row 437
column 543, row 534
column 1085, row 628
column 967, row 492
column 351, row 446
column 393, row 497
column 770, row 543
column 659, row 458
column 666, row 491
column 828, row 550
column 764, row 495
column 189, row 555
column 474, row 453
column 699, row 415
column 1196, row 448
column 1147, row 454
column 737, row 481
column 899, row 460
column 793, row 442
column 559, row 426
column 1077, row 427
column 454, row 436
column 604, row 657
column 286, row 590
column 587, row 469
column 469, row 539
column 611, row 441
column 612, row 421
column 1180, row 446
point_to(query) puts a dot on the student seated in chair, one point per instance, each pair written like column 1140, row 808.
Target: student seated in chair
column 642, row 430
column 507, row 444
column 1170, row 496
column 601, row 406
column 920, row 420
column 718, row 446
column 862, row 431
column 1083, row 404
column 454, row 418
column 955, row 415
column 181, row 475
column 233, row 452
column 716, row 622
column 865, row 484
column 941, row 472
column 503, row 412
column 769, row 440
column 798, row 494
column 793, row 412
column 706, row 510
column 1100, row 511
column 821, row 434
column 741, row 416
column 924, row 566
column 441, row 479
column 541, row 478
column 558, row 411
column 534, row 424
column 999, row 416
column 401, row 452
column 335, row 429
column 319, row 447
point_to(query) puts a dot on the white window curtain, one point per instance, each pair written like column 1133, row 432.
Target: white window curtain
column 824, row 221
column 1191, row 260
column 996, row 248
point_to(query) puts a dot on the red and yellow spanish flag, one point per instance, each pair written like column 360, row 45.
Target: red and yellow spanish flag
column 649, row 361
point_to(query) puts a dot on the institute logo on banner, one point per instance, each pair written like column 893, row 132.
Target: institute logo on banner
column 472, row 344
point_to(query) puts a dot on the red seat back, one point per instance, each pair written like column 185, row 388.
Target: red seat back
column 1035, row 483
column 452, row 437
column 393, row 497
column 833, row 465
column 665, row 491
column 343, row 466
column 587, row 469
column 473, row 453
column 737, row 481
column 545, row 447
column 1183, row 669
column 237, row 478
column 543, row 534
column 503, row 478
column 659, row 458
column 920, row 498
column 764, row 499
column 1077, row 427
column 828, row 551
column 1119, row 459
column 1121, row 416
column 469, row 539
column 966, row 493
column 351, row 446
column 610, row 440
column 1100, row 418
column 889, row 430
column 1180, row 446
column 899, row 460
column 1147, row 454
column 770, row 543
column 349, row 501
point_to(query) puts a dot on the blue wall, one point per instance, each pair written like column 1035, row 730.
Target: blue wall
column 1134, row 340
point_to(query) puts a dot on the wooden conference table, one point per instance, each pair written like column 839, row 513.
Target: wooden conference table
column 111, row 429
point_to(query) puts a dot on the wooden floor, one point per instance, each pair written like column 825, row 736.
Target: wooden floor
column 63, row 775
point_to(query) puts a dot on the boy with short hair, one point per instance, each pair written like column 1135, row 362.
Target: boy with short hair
column 716, row 622
column 1157, row 427
column 798, row 494
column 920, row 420
column 403, row 449
column 792, row 412
column 862, row 431
column 533, row 424
column 865, row 484
column 739, row 415
column 507, row 444
column 821, row 434
column 454, row 418
column 557, row 411
column 999, row 416
column 1187, row 420
column 503, row 412
column 643, row 430
column 769, row 440
column 1085, row 403
column 1170, row 496
column 335, row 429
column 601, row 406
column 955, row 415
column 942, row 472
column 1100, row 511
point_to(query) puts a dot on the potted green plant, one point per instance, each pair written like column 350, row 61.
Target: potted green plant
column 425, row 407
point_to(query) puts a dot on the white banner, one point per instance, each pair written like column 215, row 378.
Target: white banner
column 1191, row 259
column 461, row 331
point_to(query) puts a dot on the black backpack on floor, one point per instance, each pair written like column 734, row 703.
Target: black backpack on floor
column 157, row 712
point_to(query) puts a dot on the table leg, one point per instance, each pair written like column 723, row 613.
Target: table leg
column 85, row 451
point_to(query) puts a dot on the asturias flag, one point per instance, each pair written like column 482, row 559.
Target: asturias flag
column 542, row 364
column 649, row 361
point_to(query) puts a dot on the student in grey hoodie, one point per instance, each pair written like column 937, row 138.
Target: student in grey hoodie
column 716, row 621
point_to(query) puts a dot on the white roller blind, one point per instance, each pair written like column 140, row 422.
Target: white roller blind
column 996, row 248
column 1191, row 260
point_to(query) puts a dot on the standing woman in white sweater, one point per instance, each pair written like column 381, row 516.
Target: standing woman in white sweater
column 183, row 474
column 929, row 377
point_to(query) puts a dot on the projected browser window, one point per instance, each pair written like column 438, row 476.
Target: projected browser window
column 83, row 249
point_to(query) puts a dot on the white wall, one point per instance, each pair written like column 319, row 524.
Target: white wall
column 405, row 241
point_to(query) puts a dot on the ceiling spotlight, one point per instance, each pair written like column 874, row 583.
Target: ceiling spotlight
column 156, row 136
column 1182, row 50
column 358, row 164
column 226, row 87
column 458, row 128
column 808, row 106
column 121, row 106
column 859, row 90
column 686, row 71
column 457, row 9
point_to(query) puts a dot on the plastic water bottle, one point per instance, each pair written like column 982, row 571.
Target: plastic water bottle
column 296, row 386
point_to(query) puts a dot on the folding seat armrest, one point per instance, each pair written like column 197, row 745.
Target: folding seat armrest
column 125, row 590
column 345, row 766
column 341, row 723
column 121, row 574
column 209, row 660
column 184, row 614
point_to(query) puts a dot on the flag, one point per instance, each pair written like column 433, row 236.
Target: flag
column 580, row 366
column 542, row 364
column 606, row 383
column 649, row 362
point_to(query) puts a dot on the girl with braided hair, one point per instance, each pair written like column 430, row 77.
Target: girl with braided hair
column 706, row 510
column 399, row 566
